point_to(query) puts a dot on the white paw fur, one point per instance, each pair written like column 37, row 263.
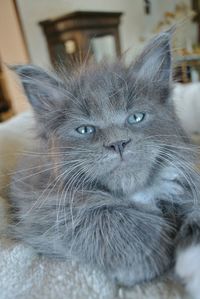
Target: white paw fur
column 164, row 185
column 188, row 269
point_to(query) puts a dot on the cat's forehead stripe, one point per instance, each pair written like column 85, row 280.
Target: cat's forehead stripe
column 104, row 114
column 103, row 108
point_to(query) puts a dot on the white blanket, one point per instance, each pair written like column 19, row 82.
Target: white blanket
column 25, row 275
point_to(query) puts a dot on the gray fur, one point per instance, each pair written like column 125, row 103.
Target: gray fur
column 78, row 198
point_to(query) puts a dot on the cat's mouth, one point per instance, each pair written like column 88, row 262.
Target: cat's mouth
column 119, row 158
column 119, row 163
column 115, row 166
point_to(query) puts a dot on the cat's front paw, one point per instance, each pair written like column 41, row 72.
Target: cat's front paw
column 188, row 269
column 187, row 265
column 124, row 278
column 165, row 185
column 129, row 277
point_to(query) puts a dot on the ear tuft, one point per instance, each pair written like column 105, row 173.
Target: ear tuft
column 154, row 64
column 41, row 87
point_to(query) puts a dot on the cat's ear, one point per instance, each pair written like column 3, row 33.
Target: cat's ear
column 43, row 89
column 154, row 64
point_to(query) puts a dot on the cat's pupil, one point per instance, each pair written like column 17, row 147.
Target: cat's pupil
column 136, row 118
column 85, row 129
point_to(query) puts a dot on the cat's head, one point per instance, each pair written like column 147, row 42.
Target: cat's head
column 107, row 121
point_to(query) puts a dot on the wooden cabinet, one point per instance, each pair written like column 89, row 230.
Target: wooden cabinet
column 80, row 35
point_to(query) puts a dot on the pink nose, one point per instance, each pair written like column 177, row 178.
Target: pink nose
column 118, row 146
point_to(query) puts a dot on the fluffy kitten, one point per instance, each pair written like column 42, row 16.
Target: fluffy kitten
column 112, row 184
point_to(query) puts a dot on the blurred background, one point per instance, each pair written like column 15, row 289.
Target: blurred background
column 49, row 32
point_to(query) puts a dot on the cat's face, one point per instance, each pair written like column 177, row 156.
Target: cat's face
column 107, row 120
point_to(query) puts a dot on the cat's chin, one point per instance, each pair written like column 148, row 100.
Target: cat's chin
column 124, row 177
column 121, row 182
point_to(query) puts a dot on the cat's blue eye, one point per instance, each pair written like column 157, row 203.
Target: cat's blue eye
column 136, row 118
column 85, row 130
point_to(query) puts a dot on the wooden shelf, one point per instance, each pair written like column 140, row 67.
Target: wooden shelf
column 79, row 28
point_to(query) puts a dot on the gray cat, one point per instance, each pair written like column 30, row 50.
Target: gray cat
column 113, row 183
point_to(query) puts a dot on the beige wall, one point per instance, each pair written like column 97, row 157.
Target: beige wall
column 12, row 51
column 134, row 24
